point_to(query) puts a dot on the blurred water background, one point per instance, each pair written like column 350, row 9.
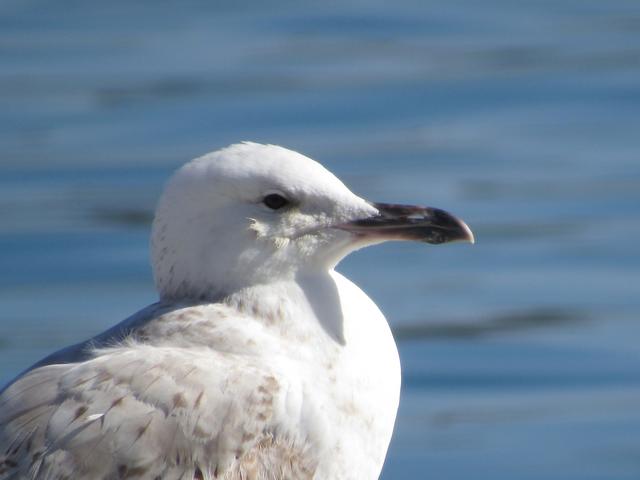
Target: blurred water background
column 521, row 354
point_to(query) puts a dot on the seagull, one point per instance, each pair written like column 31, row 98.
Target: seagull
column 258, row 362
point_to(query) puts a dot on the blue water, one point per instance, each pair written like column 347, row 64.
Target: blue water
column 520, row 354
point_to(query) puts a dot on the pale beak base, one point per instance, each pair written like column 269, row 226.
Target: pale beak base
column 409, row 222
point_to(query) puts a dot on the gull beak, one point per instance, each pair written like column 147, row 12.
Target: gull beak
column 408, row 222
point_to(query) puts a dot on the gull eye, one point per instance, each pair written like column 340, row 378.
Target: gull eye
column 275, row 201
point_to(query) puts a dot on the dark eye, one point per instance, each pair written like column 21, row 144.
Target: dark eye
column 275, row 201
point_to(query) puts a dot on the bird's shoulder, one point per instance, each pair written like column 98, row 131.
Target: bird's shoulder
column 186, row 395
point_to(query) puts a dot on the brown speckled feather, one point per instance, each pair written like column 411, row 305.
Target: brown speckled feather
column 142, row 412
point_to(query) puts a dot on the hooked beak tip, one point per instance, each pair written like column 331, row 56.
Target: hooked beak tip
column 470, row 237
column 409, row 222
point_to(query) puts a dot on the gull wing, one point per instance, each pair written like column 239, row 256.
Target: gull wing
column 140, row 411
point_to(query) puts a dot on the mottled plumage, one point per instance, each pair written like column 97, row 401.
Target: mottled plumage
column 259, row 362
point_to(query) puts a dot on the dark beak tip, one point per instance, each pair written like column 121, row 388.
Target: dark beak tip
column 468, row 237
column 408, row 222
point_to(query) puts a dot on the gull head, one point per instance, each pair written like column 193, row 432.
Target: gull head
column 253, row 214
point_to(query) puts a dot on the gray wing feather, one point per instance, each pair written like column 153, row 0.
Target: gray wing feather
column 113, row 336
